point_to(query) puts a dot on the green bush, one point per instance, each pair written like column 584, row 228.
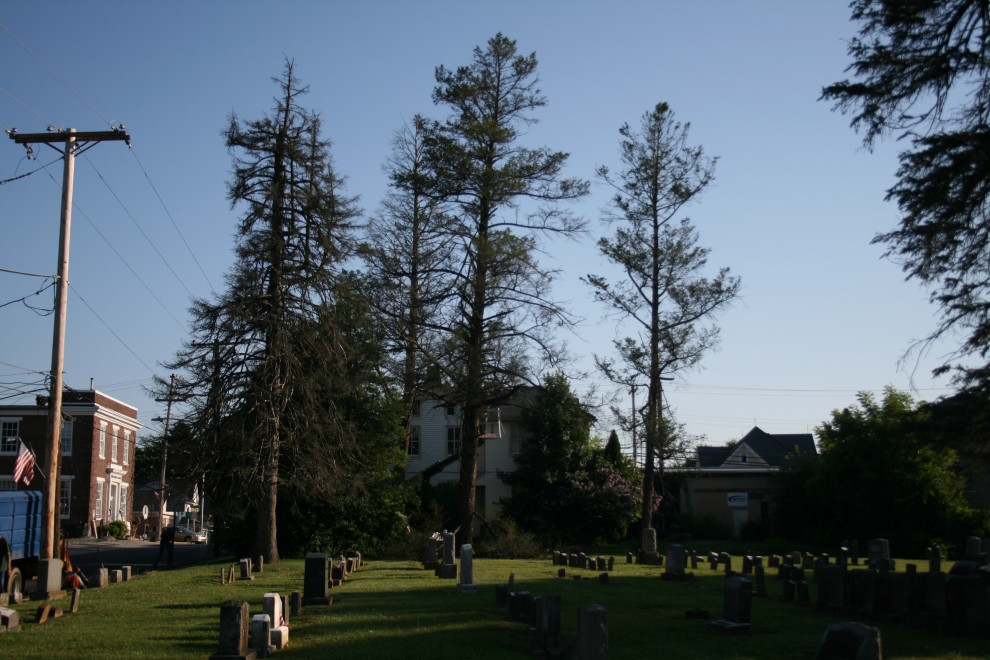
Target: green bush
column 115, row 528
column 707, row 527
column 502, row 539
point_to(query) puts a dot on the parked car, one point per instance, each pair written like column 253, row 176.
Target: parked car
column 188, row 535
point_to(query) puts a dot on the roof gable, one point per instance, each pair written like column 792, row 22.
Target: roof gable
column 758, row 449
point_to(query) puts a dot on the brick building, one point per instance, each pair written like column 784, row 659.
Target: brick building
column 99, row 436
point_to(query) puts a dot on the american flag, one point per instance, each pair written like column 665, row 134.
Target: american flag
column 24, row 466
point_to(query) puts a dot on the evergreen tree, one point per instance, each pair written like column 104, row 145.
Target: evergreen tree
column 921, row 70
column 664, row 293
column 408, row 254
column 503, row 196
column 265, row 351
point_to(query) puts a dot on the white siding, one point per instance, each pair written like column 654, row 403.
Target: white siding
column 493, row 456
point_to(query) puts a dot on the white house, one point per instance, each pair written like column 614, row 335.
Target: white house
column 434, row 444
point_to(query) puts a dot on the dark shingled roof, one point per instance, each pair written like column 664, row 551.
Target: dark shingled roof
column 772, row 448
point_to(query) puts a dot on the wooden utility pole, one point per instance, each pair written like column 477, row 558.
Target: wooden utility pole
column 168, row 423
column 75, row 143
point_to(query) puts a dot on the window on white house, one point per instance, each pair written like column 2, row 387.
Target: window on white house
column 9, row 430
column 414, row 441
column 114, row 435
column 127, row 446
column 65, row 437
column 103, row 439
column 451, row 410
column 515, row 440
column 453, row 440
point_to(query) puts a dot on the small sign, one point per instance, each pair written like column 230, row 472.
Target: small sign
column 144, row 512
column 738, row 500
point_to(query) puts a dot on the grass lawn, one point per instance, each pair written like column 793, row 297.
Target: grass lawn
column 395, row 609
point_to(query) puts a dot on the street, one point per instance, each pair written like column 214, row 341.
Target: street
column 90, row 555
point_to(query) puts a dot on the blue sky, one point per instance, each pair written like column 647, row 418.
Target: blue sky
column 795, row 203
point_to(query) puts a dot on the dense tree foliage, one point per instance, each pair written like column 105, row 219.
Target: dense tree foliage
column 567, row 489
column 921, row 70
column 504, row 197
column 279, row 371
column 408, row 256
column 880, row 474
column 664, row 295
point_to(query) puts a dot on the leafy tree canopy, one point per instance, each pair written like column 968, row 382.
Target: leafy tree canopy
column 921, row 70
column 879, row 475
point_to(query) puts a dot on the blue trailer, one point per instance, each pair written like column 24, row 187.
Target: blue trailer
column 20, row 538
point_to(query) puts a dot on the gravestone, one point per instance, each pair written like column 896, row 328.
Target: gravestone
column 725, row 559
column 245, row 570
column 934, row 556
column 878, row 549
column 116, row 576
column 592, row 633
column 849, row 641
column 761, row 581
column 49, row 582
column 648, row 546
column 790, row 589
column 861, row 591
column 676, row 559
column 126, row 570
column 259, row 564
column 448, row 569
column 611, row 564
column 935, row 596
column 736, row 608
column 502, row 594
column 546, row 617
column 448, row 548
column 831, row 588
column 234, row 631
column 261, row 641
column 966, row 599
column 103, row 577
column 430, row 552
column 10, row 620
column 526, row 608
column 271, row 605
column 316, row 585
column 512, row 606
column 75, row 600
column 467, row 585
column 601, row 563
column 285, row 608
column 295, row 600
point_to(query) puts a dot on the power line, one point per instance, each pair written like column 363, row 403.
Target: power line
column 27, row 174
column 135, row 223
column 40, row 311
column 57, row 77
column 107, row 326
column 25, row 105
column 124, row 261
column 174, row 224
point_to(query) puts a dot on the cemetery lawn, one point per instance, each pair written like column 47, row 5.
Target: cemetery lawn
column 395, row 609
